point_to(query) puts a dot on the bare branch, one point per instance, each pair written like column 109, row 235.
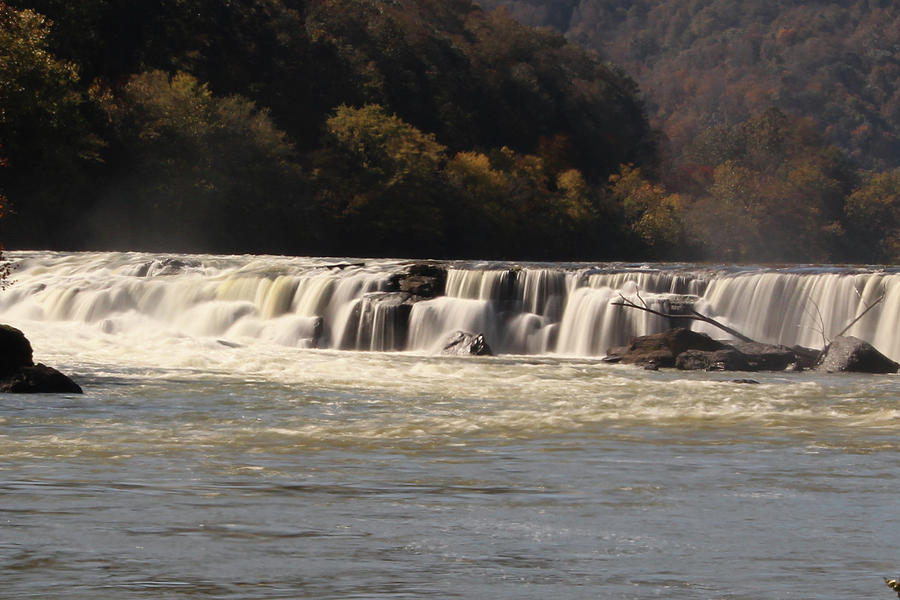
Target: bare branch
column 821, row 320
column 695, row 316
column 863, row 313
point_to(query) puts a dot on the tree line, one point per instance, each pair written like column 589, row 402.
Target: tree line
column 390, row 128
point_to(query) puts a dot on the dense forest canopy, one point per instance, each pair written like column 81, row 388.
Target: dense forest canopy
column 429, row 128
column 718, row 62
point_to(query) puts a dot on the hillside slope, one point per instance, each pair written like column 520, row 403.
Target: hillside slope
column 717, row 62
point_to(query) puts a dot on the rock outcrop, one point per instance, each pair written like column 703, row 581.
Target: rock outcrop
column 851, row 354
column 421, row 281
column 19, row 374
column 465, row 343
column 661, row 349
column 689, row 350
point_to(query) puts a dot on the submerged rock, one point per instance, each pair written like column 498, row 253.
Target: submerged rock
column 851, row 354
column 465, row 343
column 19, row 374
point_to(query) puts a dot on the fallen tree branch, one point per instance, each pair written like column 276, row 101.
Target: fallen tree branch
column 694, row 316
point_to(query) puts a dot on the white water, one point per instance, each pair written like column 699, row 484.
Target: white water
column 297, row 302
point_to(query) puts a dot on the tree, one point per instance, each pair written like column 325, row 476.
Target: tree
column 381, row 178
column 873, row 215
column 652, row 215
column 42, row 127
column 776, row 192
column 196, row 171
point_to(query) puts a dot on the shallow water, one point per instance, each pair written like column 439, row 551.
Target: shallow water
column 195, row 469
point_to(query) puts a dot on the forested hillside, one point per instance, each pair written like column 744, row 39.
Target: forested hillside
column 717, row 62
column 337, row 126
column 435, row 128
column 781, row 118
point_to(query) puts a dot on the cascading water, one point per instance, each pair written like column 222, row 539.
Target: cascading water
column 542, row 309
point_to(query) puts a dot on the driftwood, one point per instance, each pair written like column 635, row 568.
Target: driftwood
column 694, row 316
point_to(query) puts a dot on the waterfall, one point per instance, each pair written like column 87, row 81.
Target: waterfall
column 521, row 309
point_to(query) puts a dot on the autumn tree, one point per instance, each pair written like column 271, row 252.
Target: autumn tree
column 652, row 215
column 873, row 217
column 776, row 192
column 380, row 178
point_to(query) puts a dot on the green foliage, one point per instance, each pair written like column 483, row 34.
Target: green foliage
column 231, row 126
column 198, row 166
column 651, row 214
column 380, row 177
column 43, row 129
column 434, row 128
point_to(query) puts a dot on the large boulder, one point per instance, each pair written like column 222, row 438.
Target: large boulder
column 851, row 354
column 767, row 357
column 465, row 343
column 726, row 359
column 19, row 374
column 39, row 379
column 660, row 349
column 15, row 351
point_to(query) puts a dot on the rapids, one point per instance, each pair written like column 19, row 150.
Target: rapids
column 537, row 309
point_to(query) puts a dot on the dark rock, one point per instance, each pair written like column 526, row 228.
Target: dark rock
column 164, row 267
column 766, row 357
column 807, row 358
column 420, row 285
column 747, row 381
column 726, row 359
column 464, row 343
column 39, row 379
column 15, row 351
column 614, row 355
column 421, row 281
column 851, row 354
column 658, row 358
column 19, row 374
column 662, row 348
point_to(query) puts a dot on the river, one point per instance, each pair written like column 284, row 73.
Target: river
column 225, row 447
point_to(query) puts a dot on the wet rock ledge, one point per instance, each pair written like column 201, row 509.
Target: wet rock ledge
column 19, row 374
column 689, row 350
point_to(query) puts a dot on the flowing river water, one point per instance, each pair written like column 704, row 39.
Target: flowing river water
column 269, row 427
